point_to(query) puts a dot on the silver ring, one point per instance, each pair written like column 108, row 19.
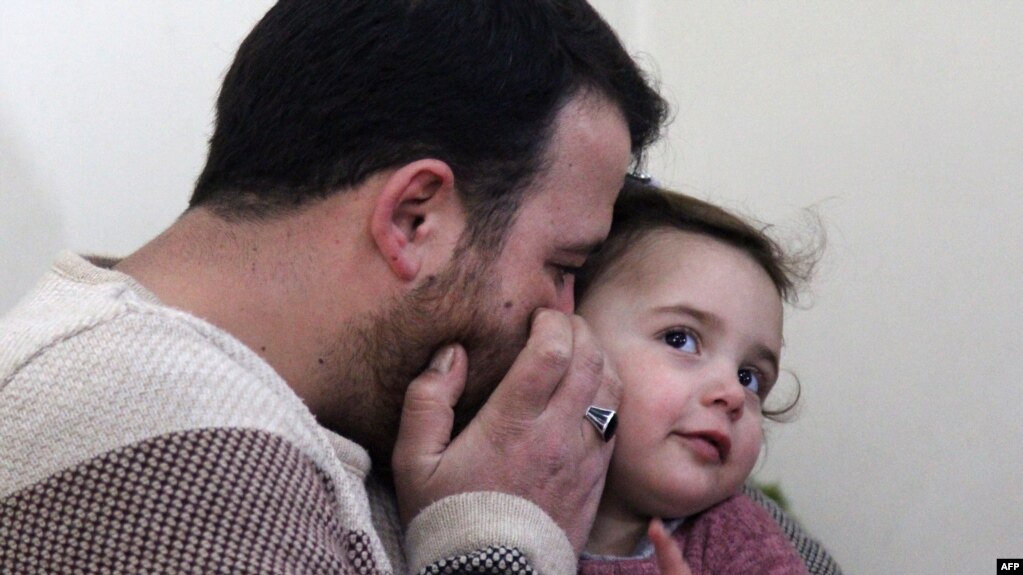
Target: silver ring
column 605, row 420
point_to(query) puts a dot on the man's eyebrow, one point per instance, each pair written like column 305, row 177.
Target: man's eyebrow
column 585, row 249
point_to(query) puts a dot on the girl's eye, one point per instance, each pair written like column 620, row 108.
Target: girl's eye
column 750, row 379
column 681, row 340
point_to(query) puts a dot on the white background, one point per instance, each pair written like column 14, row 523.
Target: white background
column 900, row 122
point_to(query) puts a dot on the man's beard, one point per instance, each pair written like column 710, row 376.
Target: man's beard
column 391, row 348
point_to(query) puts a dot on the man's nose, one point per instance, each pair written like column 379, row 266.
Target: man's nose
column 565, row 298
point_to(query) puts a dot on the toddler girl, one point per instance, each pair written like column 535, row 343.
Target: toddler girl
column 686, row 299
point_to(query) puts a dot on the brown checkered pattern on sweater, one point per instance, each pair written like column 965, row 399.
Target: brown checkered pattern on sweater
column 205, row 501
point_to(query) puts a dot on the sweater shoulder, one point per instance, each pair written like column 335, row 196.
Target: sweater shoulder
column 97, row 365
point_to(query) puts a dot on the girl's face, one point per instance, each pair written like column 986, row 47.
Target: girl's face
column 694, row 328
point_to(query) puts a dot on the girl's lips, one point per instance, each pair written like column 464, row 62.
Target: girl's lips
column 711, row 446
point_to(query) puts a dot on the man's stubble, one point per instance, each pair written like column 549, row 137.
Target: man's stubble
column 388, row 350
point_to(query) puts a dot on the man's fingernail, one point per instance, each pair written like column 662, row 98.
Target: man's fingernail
column 537, row 312
column 442, row 359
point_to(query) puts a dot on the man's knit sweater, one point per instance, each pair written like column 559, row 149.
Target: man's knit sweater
column 135, row 438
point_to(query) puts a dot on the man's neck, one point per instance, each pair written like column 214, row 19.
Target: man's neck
column 264, row 283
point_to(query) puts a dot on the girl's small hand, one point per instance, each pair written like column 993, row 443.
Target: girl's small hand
column 669, row 556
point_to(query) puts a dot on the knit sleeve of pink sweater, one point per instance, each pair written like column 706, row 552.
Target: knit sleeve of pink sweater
column 734, row 537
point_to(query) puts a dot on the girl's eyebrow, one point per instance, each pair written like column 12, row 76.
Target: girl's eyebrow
column 767, row 354
column 701, row 316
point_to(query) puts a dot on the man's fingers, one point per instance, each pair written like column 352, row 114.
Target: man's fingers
column 591, row 379
column 596, row 378
column 428, row 414
column 538, row 370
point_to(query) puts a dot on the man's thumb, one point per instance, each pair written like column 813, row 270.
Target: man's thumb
column 428, row 414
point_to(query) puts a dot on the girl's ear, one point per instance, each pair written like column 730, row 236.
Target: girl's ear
column 410, row 211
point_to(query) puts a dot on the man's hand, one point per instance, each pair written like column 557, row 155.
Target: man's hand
column 529, row 440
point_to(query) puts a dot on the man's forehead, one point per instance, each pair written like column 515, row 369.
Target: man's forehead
column 595, row 128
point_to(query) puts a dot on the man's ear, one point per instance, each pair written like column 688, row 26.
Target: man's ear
column 408, row 211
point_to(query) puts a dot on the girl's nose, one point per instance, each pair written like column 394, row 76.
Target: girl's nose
column 723, row 390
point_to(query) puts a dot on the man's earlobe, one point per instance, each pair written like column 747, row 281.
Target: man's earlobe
column 405, row 201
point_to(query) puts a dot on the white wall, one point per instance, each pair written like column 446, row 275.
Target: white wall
column 105, row 109
column 901, row 122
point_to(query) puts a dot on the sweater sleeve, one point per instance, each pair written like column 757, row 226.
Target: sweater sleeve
column 487, row 532
column 215, row 500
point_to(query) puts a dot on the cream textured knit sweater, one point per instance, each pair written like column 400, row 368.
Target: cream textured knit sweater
column 135, row 438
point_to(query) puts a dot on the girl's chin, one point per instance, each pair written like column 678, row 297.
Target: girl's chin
column 691, row 499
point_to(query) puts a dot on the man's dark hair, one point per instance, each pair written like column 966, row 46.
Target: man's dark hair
column 324, row 93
